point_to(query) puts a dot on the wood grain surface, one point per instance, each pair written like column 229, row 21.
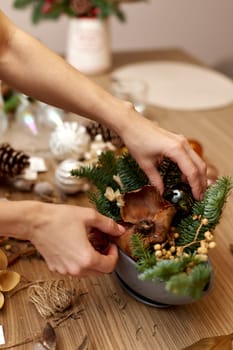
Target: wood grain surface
column 111, row 318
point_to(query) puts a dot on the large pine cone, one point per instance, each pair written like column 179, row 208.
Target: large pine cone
column 12, row 162
column 94, row 129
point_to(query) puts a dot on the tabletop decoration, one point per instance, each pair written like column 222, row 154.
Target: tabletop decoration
column 69, row 140
column 12, row 162
column 65, row 182
column 8, row 279
column 167, row 238
column 108, row 135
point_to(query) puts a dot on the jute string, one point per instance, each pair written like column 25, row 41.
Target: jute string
column 50, row 297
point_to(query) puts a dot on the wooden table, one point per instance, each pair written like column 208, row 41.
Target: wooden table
column 111, row 318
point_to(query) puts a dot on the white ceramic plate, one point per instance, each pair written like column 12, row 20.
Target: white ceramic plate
column 182, row 86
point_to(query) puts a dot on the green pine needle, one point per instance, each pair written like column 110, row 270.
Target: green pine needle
column 104, row 206
column 100, row 174
column 145, row 258
column 210, row 207
column 131, row 175
column 164, row 269
column 192, row 284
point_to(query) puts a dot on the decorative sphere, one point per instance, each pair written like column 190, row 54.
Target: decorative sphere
column 67, row 183
column 69, row 140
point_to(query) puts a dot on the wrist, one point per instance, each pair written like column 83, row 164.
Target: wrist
column 17, row 218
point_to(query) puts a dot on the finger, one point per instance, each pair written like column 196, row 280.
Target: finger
column 200, row 163
column 154, row 176
column 107, row 263
column 190, row 170
column 105, row 224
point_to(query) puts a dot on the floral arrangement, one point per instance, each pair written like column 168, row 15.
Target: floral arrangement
column 169, row 236
column 53, row 9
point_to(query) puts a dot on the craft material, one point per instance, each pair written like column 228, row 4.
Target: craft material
column 67, row 183
column 50, row 297
column 69, row 140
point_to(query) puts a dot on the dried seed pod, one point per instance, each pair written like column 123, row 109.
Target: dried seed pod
column 8, row 280
column 1, row 300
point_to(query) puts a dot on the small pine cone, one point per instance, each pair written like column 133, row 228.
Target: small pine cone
column 12, row 162
column 94, row 129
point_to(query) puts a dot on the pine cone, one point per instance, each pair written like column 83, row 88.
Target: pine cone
column 94, row 129
column 12, row 162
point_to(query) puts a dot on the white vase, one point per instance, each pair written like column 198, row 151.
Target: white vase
column 88, row 45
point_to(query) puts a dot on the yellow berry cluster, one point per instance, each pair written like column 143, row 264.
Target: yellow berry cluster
column 162, row 252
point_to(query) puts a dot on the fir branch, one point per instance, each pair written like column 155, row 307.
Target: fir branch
column 215, row 199
column 145, row 258
column 104, row 206
column 131, row 175
column 165, row 269
column 211, row 208
column 191, row 284
column 100, row 174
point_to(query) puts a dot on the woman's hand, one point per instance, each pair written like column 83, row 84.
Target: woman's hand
column 60, row 234
column 149, row 144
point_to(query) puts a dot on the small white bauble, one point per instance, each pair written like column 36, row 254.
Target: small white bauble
column 67, row 183
column 69, row 140
column 98, row 146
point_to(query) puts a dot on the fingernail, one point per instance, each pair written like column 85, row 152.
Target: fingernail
column 121, row 228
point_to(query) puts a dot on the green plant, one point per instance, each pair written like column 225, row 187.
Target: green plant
column 53, row 9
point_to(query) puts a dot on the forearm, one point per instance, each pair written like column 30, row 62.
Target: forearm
column 32, row 68
column 17, row 218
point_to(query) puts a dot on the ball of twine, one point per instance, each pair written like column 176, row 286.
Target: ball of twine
column 50, row 297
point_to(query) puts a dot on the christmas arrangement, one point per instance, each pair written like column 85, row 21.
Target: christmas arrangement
column 169, row 236
column 53, row 9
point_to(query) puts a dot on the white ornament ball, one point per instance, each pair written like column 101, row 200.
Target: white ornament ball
column 69, row 140
column 98, row 146
column 66, row 182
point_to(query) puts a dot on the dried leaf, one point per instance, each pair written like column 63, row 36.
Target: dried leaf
column 48, row 341
column 49, row 337
column 223, row 342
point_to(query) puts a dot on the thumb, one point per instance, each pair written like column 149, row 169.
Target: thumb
column 106, row 225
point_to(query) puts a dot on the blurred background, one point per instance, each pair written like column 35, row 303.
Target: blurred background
column 202, row 28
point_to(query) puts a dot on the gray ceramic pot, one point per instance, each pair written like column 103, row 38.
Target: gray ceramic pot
column 148, row 292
